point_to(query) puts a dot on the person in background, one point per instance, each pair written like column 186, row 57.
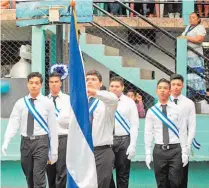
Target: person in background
column 57, row 173
column 205, row 103
column 103, row 88
column 148, row 8
column 139, row 102
column 206, row 7
column 195, row 34
column 174, row 9
column 189, row 113
column 159, row 9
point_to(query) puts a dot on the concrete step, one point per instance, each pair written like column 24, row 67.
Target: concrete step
column 91, row 39
column 127, row 62
column 110, row 51
column 146, row 74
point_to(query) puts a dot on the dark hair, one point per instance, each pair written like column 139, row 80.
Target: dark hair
column 197, row 16
column 131, row 90
column 117, row 79
column 103, row 87
column 35, row 74
column 207, row 90
column 55, row 74
column 95, row 73
column 163, row 80
column 177, row 77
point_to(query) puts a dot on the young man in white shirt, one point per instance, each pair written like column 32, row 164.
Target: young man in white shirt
column 57, row 172
column 35, row 116
column 166, row 125
column 102, row 122
column 188, row 109
column 125, row 133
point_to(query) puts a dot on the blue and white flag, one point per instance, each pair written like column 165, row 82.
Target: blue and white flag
column 81, row 167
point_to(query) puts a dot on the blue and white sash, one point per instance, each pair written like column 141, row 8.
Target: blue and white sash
column 165, row 120
column 122, row 122
column 194, row 142
column 92, row 106
column 36, row 115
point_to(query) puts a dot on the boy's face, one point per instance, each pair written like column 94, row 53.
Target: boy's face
column 92, row 81
column 163, row 91
column 176, row 87
column 34, row 85
column 55, row 84
column 116, row 88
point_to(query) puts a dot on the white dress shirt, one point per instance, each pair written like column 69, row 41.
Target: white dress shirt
column 19, row 116
column 188, row 109
column 61, row 100
column 128, row 110
column 103, row 118
column 154, row 128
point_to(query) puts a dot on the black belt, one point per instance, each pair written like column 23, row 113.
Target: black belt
column 121, row 137
column 102, row 147
column 62, row 136
column 34, row 137
column 166, row 147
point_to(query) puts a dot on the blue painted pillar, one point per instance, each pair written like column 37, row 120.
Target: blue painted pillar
column 181, row 61
column 53, row 50
column 187, row 9
column 38, row 52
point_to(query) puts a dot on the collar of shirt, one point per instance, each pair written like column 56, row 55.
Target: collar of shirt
column 169, row 103
column 179, row 97
column 59, row 95
column 121, row 97
column 37, row 98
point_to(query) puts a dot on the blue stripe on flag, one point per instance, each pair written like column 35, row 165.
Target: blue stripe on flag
column 70, row 181
column 78, row 97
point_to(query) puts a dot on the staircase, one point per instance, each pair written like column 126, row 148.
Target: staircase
column 110, row 58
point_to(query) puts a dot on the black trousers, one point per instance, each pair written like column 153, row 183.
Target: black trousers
column 104, row 158
column 185, row 176
column 168, row 167
column 34, row 156
column 56, row 173
column 122, row 163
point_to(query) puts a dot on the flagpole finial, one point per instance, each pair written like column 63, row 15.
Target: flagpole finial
column 72, row 3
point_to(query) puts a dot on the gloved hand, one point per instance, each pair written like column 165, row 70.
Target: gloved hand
column 148, row 161
column 4, row 148
column 131, row 152
column 185, row 159
column 53, row 159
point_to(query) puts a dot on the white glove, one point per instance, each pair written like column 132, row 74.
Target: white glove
column 53, row 159
column 185, row 159
column 131, row 152
column 4, row 148
column 148, row 161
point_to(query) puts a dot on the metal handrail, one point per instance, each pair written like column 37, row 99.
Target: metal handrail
column 136, row 32
column 149, row 2
column 134, row 50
